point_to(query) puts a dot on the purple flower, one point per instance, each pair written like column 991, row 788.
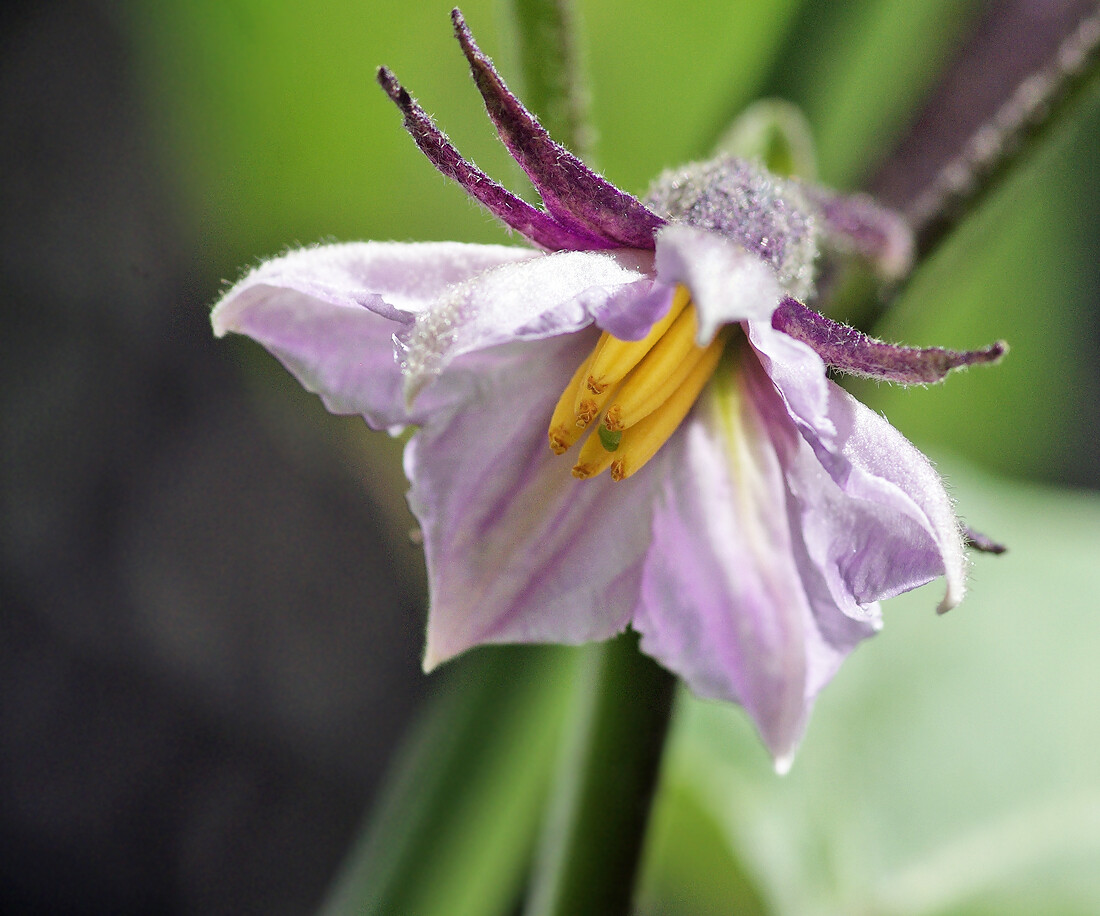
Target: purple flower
column 725, row 498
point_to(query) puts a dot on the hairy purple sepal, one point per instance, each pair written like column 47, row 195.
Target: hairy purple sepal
column 983, row 543
column 742, row 201
column 574, row 194
column 855, row 224
column 532, row 223
column 848, row 350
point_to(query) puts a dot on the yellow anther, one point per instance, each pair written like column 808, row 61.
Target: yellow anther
column 614, row 358
column 587, row 411
column 658, row 375
column 641, row 441
column 594, row 386
column 593, row 458
column 565, row 423
column 651, row 384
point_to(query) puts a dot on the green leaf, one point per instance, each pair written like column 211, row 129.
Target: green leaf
column 691, row 869
column 1012, row 272
column 858, row 69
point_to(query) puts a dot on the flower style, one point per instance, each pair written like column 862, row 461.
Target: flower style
column 726, row 499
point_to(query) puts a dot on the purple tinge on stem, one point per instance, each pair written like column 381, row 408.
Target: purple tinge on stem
column 848, row 350
column 531, row 222
column 574, row 194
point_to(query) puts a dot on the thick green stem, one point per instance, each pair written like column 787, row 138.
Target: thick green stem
column 549, row 61
column 595, row 827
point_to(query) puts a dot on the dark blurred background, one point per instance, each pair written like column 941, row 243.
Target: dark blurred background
column 210, row 643
column 211, row 608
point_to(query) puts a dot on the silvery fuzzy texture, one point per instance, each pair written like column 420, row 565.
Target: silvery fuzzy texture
column 744, row 202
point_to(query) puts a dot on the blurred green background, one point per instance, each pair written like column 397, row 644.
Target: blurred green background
column 193, row 548
column 268, row 118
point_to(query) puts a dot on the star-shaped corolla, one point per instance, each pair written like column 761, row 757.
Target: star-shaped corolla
column 727, row 500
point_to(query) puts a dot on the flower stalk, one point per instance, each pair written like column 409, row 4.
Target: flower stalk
column 593, row 835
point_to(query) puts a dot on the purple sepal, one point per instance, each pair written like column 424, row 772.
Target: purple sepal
column 856, row 224
column 531, row 222
column 574, row 194
column 848, row 350
column 983, row 543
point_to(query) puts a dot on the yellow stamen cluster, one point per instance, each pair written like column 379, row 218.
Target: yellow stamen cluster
column 642, row 388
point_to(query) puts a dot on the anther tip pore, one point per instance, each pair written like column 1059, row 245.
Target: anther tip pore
column 559, row 442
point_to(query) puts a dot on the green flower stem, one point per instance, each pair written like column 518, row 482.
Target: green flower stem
column 548, row 59
column 592, row 839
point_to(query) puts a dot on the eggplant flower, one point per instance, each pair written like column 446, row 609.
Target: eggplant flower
column 630, row 423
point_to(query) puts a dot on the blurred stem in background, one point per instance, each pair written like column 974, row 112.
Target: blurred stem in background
column 453, row 829
column 553, row 86
column 1036, row 107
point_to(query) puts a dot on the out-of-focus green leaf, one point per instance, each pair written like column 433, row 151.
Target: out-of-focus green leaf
column 691, row 868
column 269, row 116
column 664, row 78
column 858, row 69
column 454, row 827
column 951, row 766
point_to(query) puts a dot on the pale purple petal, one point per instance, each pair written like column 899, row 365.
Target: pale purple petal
column 531, row 222
column 519, row 550
column 848, row 350
column 799, row 375
column 574, row 194
column 547, row 296
column 405, row 275
column 726, row 604
column 329, row 313
column 727, row 282
column 631, row 312
column 871, row 461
